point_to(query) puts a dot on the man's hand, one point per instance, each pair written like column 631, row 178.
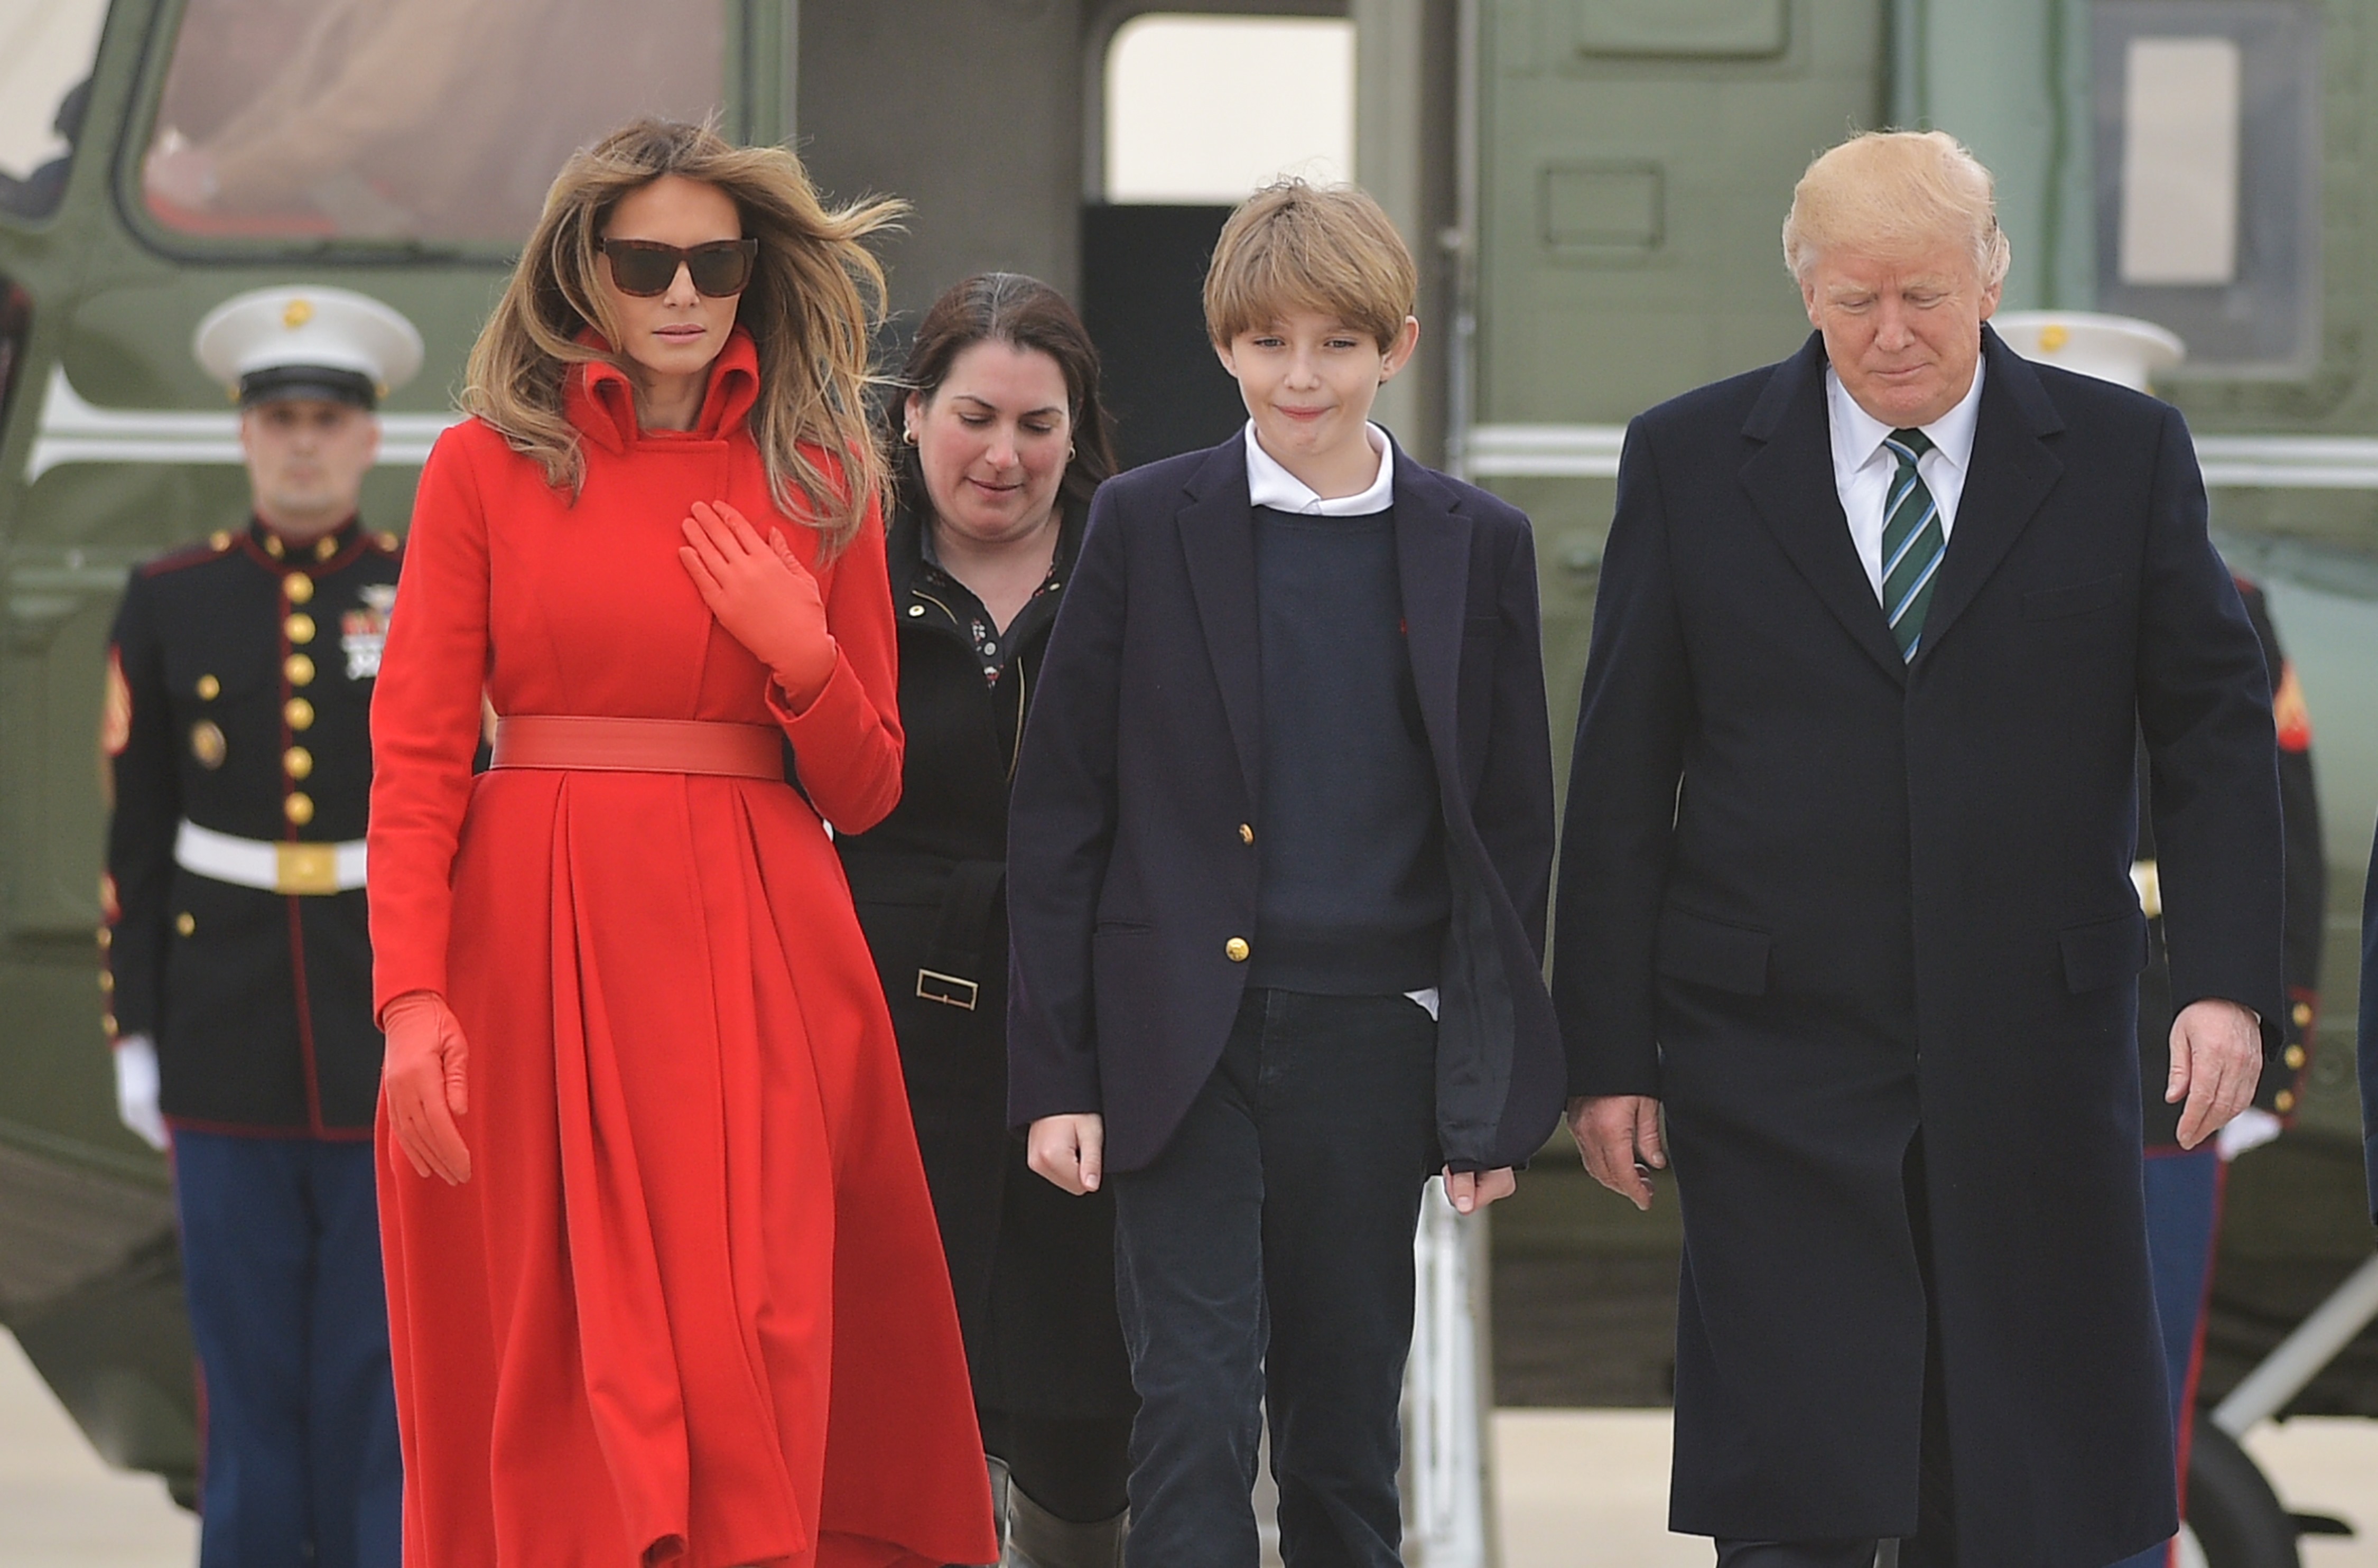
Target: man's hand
column 1470, row 1192
column 1619, row 1136
column 1069, row 1151
column 136, row 1090
column 2217, row 1058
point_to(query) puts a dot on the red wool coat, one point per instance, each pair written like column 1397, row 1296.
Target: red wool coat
column 690, row 1308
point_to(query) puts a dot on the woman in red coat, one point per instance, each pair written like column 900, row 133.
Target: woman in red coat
column 664, row 1280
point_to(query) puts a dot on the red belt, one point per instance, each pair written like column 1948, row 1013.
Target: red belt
column 640, row 745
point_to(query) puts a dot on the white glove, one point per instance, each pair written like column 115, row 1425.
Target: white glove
column 136, row 1089
column 2250, row 1129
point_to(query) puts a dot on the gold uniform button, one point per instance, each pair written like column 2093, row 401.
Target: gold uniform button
column 1236, row 949
column 106, row 981
column 299, row 669
column 209, row 688
column 298, row 808
column 300, row 713
column 186, row 922
column 1246, row 833
column 107, row 1022
column 300, row 628
column 2294, row 1056
column 2303, row 1015
column 299, row 588
column 207, row 743
column 2285, row 1101
column 297, row 761
column 107, row 940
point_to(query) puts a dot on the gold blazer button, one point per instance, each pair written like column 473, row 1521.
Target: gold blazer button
column 1236, row 949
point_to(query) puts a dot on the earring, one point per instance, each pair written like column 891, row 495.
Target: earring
column 1070, row 450
column 909, row 435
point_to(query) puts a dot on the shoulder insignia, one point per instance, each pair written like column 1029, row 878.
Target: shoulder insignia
column 115, row 717
column 220, row 540
column 2290, row 712
column 385, row 541
column 188, row 555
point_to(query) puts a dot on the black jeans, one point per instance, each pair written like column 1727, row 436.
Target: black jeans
column 1266, row 1257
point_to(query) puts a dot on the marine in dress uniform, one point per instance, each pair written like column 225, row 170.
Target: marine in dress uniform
column 240, row 677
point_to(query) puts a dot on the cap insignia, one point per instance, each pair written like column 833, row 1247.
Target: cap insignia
column 296, row 314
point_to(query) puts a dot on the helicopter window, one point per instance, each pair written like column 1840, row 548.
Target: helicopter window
column 440, row 121
column 47, row 50
column 1205, row 108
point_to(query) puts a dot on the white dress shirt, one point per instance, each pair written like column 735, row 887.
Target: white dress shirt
column 1270, row 485
column 1863, row 467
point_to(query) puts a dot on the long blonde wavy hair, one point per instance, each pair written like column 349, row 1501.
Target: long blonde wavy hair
column 815, row 295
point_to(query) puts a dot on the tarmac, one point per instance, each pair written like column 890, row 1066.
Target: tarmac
column 1577, row 1489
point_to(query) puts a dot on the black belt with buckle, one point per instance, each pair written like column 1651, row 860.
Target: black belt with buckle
column 968, row 893
column 956, row 953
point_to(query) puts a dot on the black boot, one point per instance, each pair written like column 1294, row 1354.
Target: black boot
column 1037, row 1538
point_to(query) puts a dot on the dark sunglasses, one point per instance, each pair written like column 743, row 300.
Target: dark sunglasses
column 646, row 267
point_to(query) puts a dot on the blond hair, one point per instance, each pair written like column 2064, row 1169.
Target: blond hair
column 1895, row 191
column 1294, row 245
column 815, row 295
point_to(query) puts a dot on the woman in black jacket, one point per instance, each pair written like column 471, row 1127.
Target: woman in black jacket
column 1001, row 439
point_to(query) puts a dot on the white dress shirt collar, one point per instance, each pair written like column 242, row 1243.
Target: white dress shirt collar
column 1862, row 468
column 1270, row 485
column 1858, row 436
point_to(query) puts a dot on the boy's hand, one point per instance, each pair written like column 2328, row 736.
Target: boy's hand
column 1473, row 1191
column 1069, row 1150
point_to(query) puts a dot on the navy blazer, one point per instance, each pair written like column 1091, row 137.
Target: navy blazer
column 1133, row 851
column 1823, row 901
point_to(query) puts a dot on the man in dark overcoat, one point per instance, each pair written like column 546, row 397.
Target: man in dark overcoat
column 1845, row 892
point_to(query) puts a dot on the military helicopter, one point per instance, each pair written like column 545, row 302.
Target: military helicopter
column 1592, row 188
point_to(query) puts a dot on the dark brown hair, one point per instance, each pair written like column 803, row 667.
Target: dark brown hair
column 811, row 299
column 1027, row 313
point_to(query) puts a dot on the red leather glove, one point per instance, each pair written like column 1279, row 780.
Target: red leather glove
column 763, row 595
column 423, row 1084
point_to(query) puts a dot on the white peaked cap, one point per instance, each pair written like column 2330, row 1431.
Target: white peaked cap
column 306, row 326
column 2122, row 349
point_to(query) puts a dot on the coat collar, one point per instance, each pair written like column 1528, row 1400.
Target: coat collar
column 1216, row 527
column 2013, row 469
column 598, row 398
column 1790, row 478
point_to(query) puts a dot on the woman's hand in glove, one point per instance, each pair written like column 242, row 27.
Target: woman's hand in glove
column 763, row 595
column 424, row 1085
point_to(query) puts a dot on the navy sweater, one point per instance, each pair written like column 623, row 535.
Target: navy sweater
column 1354, row 894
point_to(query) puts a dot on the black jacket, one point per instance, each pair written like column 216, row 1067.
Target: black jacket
column 243, row 704
column 1825, row 902
column 1134, row 848
column 1032, row 1268
column 2281, row 1085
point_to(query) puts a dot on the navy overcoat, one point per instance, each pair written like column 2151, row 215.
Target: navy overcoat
column 1827, row 905
column 1133, row 844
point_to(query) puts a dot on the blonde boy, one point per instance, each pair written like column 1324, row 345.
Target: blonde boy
column 1278, row 853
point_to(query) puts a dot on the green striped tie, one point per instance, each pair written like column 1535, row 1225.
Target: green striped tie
column 1913, row 543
